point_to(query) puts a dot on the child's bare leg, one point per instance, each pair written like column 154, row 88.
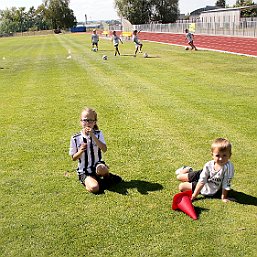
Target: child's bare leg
column 185, row 186
column 183, row 177
column 91, row 184
column 102, row 170
column 182, row 173
column 136, row 50
column 117, row 49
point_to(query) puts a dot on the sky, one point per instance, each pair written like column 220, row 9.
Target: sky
column 104, row 9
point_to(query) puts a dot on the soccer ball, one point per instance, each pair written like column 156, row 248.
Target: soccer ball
column 186, row 48
column 145, row 55
column 94, row 49
column 104, row 57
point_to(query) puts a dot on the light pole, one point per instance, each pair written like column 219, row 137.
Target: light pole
column 85, row 19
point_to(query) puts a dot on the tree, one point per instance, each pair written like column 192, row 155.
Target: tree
column 51, row 14
column 41, row 20
column 166, row 10
column 11, row 20
column 59, row 13
column 243, row 3
column 145, row 11
column 136, row 11
column 249, row 12
column 221, row 3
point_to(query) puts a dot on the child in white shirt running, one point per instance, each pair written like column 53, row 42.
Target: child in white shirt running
column 137, row 42
column 190, row 39
column 116, row 40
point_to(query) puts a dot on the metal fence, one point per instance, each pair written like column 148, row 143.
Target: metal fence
column 239, row 29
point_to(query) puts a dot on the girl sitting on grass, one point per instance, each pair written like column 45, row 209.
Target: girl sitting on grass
column 87, row 147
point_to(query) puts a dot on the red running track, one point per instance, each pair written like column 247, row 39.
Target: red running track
column 238, row 45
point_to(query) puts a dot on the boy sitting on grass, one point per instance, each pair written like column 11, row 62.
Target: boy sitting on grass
column 215, row 177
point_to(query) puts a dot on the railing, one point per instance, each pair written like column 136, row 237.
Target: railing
column 240, row 29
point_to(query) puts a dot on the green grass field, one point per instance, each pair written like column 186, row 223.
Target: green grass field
column 157, row 114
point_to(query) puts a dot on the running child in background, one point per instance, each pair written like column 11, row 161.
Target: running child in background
column 215, row 177
column 87, row 147
column 116, row 40
column 94, row 40
column 137, row 42
column 190, row 39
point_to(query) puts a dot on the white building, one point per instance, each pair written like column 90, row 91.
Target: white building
column 224, row 15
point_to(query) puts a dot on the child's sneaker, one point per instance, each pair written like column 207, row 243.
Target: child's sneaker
column 177, row 172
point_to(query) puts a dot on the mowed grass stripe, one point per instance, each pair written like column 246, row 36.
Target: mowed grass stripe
column 130, row 92
column 177, row 91
column 189, row 117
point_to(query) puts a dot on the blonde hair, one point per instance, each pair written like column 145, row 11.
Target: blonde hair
column 88, row 109
column 222, row 144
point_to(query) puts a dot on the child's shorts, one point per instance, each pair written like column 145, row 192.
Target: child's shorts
column 193, row 178
column 83, row 176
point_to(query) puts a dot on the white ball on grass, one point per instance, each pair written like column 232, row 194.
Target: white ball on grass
column 145, row 55
column 104, row 57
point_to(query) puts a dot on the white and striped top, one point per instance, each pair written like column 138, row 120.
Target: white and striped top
column 215, row 180
column 136, row 40
column 115, row 40
column 91, row 156
column 95, row 38
column 190, row 37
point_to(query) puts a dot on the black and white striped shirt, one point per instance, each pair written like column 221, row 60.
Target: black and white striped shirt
column 91, row 156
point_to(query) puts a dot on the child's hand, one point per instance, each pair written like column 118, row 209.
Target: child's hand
column 226, row 200
column 83, row 147
column 88, row 131
column 193, row 197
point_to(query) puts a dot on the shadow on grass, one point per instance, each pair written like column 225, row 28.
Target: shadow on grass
column 143, row 187
column 149, row 57
column 243, row 198
column 104, row 50
column 199, row 210
column 133, row 55
column 239, row 197
column 127, row 55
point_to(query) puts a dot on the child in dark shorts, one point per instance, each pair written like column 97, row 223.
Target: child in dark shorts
column 215, row 177
column 86, row 147
column 193, row 178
